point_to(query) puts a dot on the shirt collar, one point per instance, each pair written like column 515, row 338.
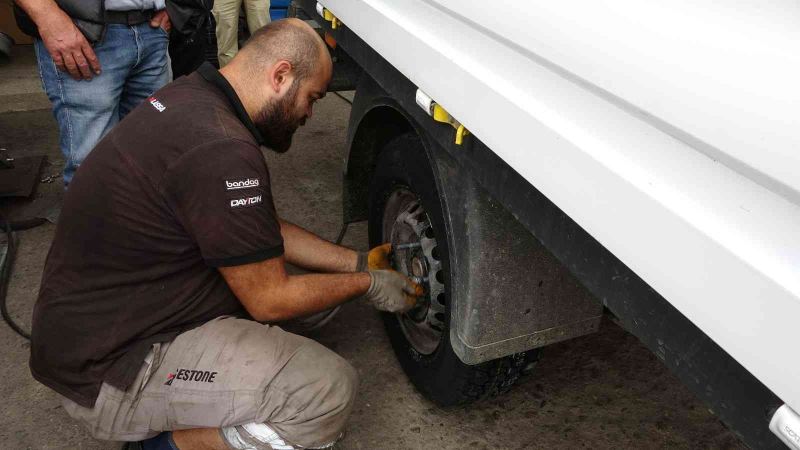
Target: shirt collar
column 212, row 75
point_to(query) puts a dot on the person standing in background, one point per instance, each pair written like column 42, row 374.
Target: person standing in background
column 193, row 37
column 97, row 61
column 226, row 13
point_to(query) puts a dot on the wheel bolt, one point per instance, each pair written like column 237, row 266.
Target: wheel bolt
column 407, row 246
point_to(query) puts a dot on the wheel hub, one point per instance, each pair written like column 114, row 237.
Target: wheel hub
column 415, row 253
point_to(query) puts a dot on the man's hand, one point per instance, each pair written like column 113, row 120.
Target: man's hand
column 375, row 259
column 392, row 291
column 161, row 19
column 70, row 51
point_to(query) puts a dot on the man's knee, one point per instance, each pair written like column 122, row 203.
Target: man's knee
column 335, row 390
column 344, row 379
column 321, row 389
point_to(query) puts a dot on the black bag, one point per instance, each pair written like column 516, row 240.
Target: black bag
column 189, row 42
column 24, row 22
column 87, row 15
column 189, row 17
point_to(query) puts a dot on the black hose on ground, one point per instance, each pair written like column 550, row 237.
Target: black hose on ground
column 5, row 269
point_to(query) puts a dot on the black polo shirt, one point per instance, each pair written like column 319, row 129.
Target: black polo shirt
column 177, row 189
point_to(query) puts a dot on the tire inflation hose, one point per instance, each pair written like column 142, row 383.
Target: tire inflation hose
column 5, row 268
column 336, row 93
column 342, row 231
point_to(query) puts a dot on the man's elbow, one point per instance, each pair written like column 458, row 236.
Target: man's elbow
column 270, row 315
column 270, row 311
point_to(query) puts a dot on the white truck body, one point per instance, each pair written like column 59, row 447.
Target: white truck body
column 669, row 131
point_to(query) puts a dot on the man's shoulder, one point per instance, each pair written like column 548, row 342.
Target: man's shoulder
column 225, row 148
column 202, row 110
column 220, row 153
column 223, row 162
column 186, row 98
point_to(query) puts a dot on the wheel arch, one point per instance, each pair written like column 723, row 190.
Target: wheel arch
column 491, row 296
column 375, row 120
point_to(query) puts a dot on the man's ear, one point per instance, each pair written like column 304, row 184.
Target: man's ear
column 281, row 76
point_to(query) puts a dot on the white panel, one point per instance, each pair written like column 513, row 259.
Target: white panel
column 670, row 135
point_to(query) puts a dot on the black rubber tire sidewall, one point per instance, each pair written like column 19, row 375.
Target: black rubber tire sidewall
column 440, row 376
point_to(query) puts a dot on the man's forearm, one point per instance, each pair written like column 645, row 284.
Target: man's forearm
column 302, row 295
column 307, row 250
column 39, row 10
column 269, row 294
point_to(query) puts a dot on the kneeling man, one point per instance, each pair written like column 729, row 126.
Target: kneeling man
column 169, row 258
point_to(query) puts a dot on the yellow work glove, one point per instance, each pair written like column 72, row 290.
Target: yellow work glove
column 391, row 291
column 375, row 259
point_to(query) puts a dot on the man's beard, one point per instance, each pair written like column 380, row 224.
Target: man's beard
column 276, row 123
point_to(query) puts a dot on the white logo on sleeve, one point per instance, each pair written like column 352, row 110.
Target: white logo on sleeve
column 244, row 202
column 157, row 104
column 245, row 183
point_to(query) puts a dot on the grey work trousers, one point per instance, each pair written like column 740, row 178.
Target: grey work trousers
column 230, row 372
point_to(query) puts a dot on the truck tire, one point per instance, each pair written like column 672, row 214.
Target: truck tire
column 405, row 209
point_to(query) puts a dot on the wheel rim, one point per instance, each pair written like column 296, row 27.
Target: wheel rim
column 415, row 253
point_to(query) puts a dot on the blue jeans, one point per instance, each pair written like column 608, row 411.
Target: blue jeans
column 133, row 64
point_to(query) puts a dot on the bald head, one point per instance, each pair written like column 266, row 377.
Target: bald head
column 278, row 75
column 290, row 40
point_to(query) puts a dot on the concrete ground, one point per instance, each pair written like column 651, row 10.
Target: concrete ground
column 600, row 391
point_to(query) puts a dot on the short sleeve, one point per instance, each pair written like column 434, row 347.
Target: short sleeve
column 220, row 194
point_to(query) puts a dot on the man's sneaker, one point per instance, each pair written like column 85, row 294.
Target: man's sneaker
column 162, row 441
